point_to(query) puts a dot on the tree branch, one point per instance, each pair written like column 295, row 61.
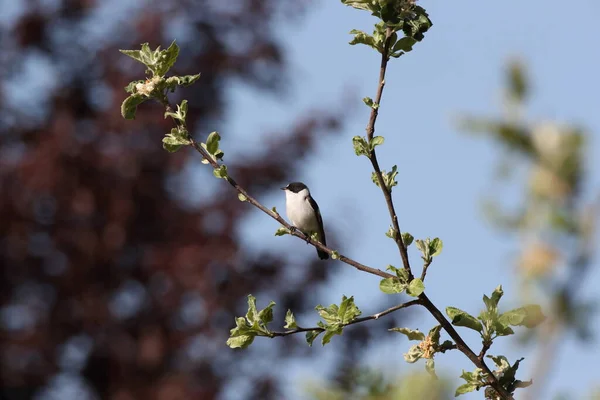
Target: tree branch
column 423, row 299
column 446, row 325
column 373, row 156
column 295, row 232
column 356, row 321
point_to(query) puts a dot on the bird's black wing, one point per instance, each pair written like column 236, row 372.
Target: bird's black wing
column 315, row 206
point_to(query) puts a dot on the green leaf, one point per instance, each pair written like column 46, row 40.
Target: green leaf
column 435, row 247
column 241, row 197
column 462, row 318
column 131, row 87
column 391, row 233
column 173, row 81
column 405, row 44
column 401, row 273
column 290, row 320
column 423, row 247
column 414, row 354
column 311, row 336
column 434, row 334
column 166, row 59
column 171, row 144
column 361, row 37
column 175, row 139
column 212, row 143
column 129, row 105
column 220, row 172
column 329, row 333
column 266, row 314
column 329, row 314
column 335, row 255
column 135, row 54
column 407, row 239
column 411, row 334
column 360, row 146
column 368, row 101
column 430, row 367
column 492, row 303
column 251, row 314
column 181, row 113
column 348, row 311
column 376, row 141
column 282, row 231
column 360, row 4
column 415, row 287
column 274, row 209
column 391, row 286
column 242, row 335
column 529, row 316
column 465, row 388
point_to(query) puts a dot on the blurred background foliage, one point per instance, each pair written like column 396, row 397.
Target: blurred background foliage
column 117, row 282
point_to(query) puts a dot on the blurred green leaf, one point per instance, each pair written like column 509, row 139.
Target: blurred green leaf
column 376, row 141
column 129, row 105
column 462, row 318
column 311, row 336
column 212, row 142
column 360, row 146
column 407, row 239
column 529, row 316
column 415, row 287
column 430, row 367
column 282, row 231
column 411, row 334
column 290, row 320
column 221, row 172
column 391, row 286
column 414, row 354
column 435, row 247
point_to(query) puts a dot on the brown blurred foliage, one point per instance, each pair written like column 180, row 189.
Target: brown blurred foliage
column 114, row 281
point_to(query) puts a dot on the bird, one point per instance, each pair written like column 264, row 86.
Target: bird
column 304, row 213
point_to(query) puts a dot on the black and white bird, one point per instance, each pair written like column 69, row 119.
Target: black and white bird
column 304, row 213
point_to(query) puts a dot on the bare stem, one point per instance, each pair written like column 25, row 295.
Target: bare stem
column 387, row 194
column 356, row 321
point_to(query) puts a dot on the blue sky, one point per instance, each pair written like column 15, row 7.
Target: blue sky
column 457, row 69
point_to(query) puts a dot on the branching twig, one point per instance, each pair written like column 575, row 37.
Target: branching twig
column 373, row 156
column 437, row 314
column 423, row 299
column 486, row 346
column 276, row 215
column 356, row 321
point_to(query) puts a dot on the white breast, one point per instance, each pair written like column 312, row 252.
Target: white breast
column 300, row 212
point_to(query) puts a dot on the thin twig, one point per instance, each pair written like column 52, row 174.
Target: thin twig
column 356, row 321
column 276, row 216
column 486, row 346
column 424, row 272
column 373, row 156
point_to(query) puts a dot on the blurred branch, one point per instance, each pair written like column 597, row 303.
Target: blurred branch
column 356, row 321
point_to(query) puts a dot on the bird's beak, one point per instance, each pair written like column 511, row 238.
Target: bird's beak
column 283, row 188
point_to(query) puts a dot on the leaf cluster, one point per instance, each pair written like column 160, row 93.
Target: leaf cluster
column 401, row 283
